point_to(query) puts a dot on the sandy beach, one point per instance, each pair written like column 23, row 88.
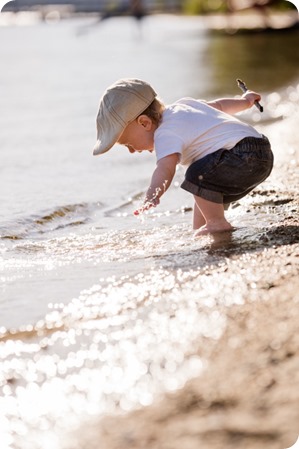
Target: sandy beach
column 248, row 393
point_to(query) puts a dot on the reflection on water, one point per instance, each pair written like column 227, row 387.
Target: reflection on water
column 267, row 61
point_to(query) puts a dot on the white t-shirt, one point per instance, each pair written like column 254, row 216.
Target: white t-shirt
column 194, row 129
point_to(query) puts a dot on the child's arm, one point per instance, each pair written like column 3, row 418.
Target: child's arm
column 234, row 105
column 161, row 180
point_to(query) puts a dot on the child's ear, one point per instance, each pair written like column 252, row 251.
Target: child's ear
column 145, row 121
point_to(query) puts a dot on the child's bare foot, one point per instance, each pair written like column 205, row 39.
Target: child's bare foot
column 213, row 227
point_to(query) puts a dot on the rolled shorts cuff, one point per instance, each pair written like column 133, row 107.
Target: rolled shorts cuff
column 209, row 195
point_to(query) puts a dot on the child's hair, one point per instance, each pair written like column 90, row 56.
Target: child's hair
column 155, row 110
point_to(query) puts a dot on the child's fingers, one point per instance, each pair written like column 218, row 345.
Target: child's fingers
column 144, row 208
column 140, row 210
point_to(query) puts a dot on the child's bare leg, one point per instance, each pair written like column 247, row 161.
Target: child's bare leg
column 213, row 213
column 198, row 218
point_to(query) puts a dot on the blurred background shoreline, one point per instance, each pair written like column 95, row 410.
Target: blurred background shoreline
column 229, row 15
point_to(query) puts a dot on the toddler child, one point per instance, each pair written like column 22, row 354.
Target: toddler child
column 225, row 158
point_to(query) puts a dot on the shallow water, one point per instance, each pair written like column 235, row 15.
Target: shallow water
column 99, row 309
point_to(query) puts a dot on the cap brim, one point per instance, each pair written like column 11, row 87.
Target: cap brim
column 104, row 145
column 98, row 148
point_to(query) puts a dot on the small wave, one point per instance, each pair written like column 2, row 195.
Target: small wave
column 125, row 206
column 48, row 221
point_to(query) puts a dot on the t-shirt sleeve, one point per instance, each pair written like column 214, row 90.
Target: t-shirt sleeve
column 167, row 143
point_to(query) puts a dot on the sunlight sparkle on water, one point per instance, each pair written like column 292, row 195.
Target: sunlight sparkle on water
column 126, row 344
column 126, row 339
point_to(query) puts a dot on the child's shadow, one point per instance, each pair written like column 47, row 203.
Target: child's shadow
column 217, row 247
column 242, row 241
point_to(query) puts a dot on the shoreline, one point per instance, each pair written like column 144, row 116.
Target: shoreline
column 230, row 23
column 247, row 396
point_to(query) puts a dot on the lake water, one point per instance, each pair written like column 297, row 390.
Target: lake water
column 80, row 275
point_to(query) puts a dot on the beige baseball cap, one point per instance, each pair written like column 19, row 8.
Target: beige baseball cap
column 120, row 104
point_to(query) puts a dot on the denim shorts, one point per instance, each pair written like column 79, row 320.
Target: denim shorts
column 226, row 176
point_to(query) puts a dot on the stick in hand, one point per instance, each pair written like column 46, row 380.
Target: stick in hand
column 244, row 89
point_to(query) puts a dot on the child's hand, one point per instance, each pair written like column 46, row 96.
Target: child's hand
column 251, row 97
column 146, row 206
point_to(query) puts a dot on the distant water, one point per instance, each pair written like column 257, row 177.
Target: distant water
column 70, row 248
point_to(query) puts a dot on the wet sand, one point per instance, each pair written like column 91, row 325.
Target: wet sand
column 248, row 393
